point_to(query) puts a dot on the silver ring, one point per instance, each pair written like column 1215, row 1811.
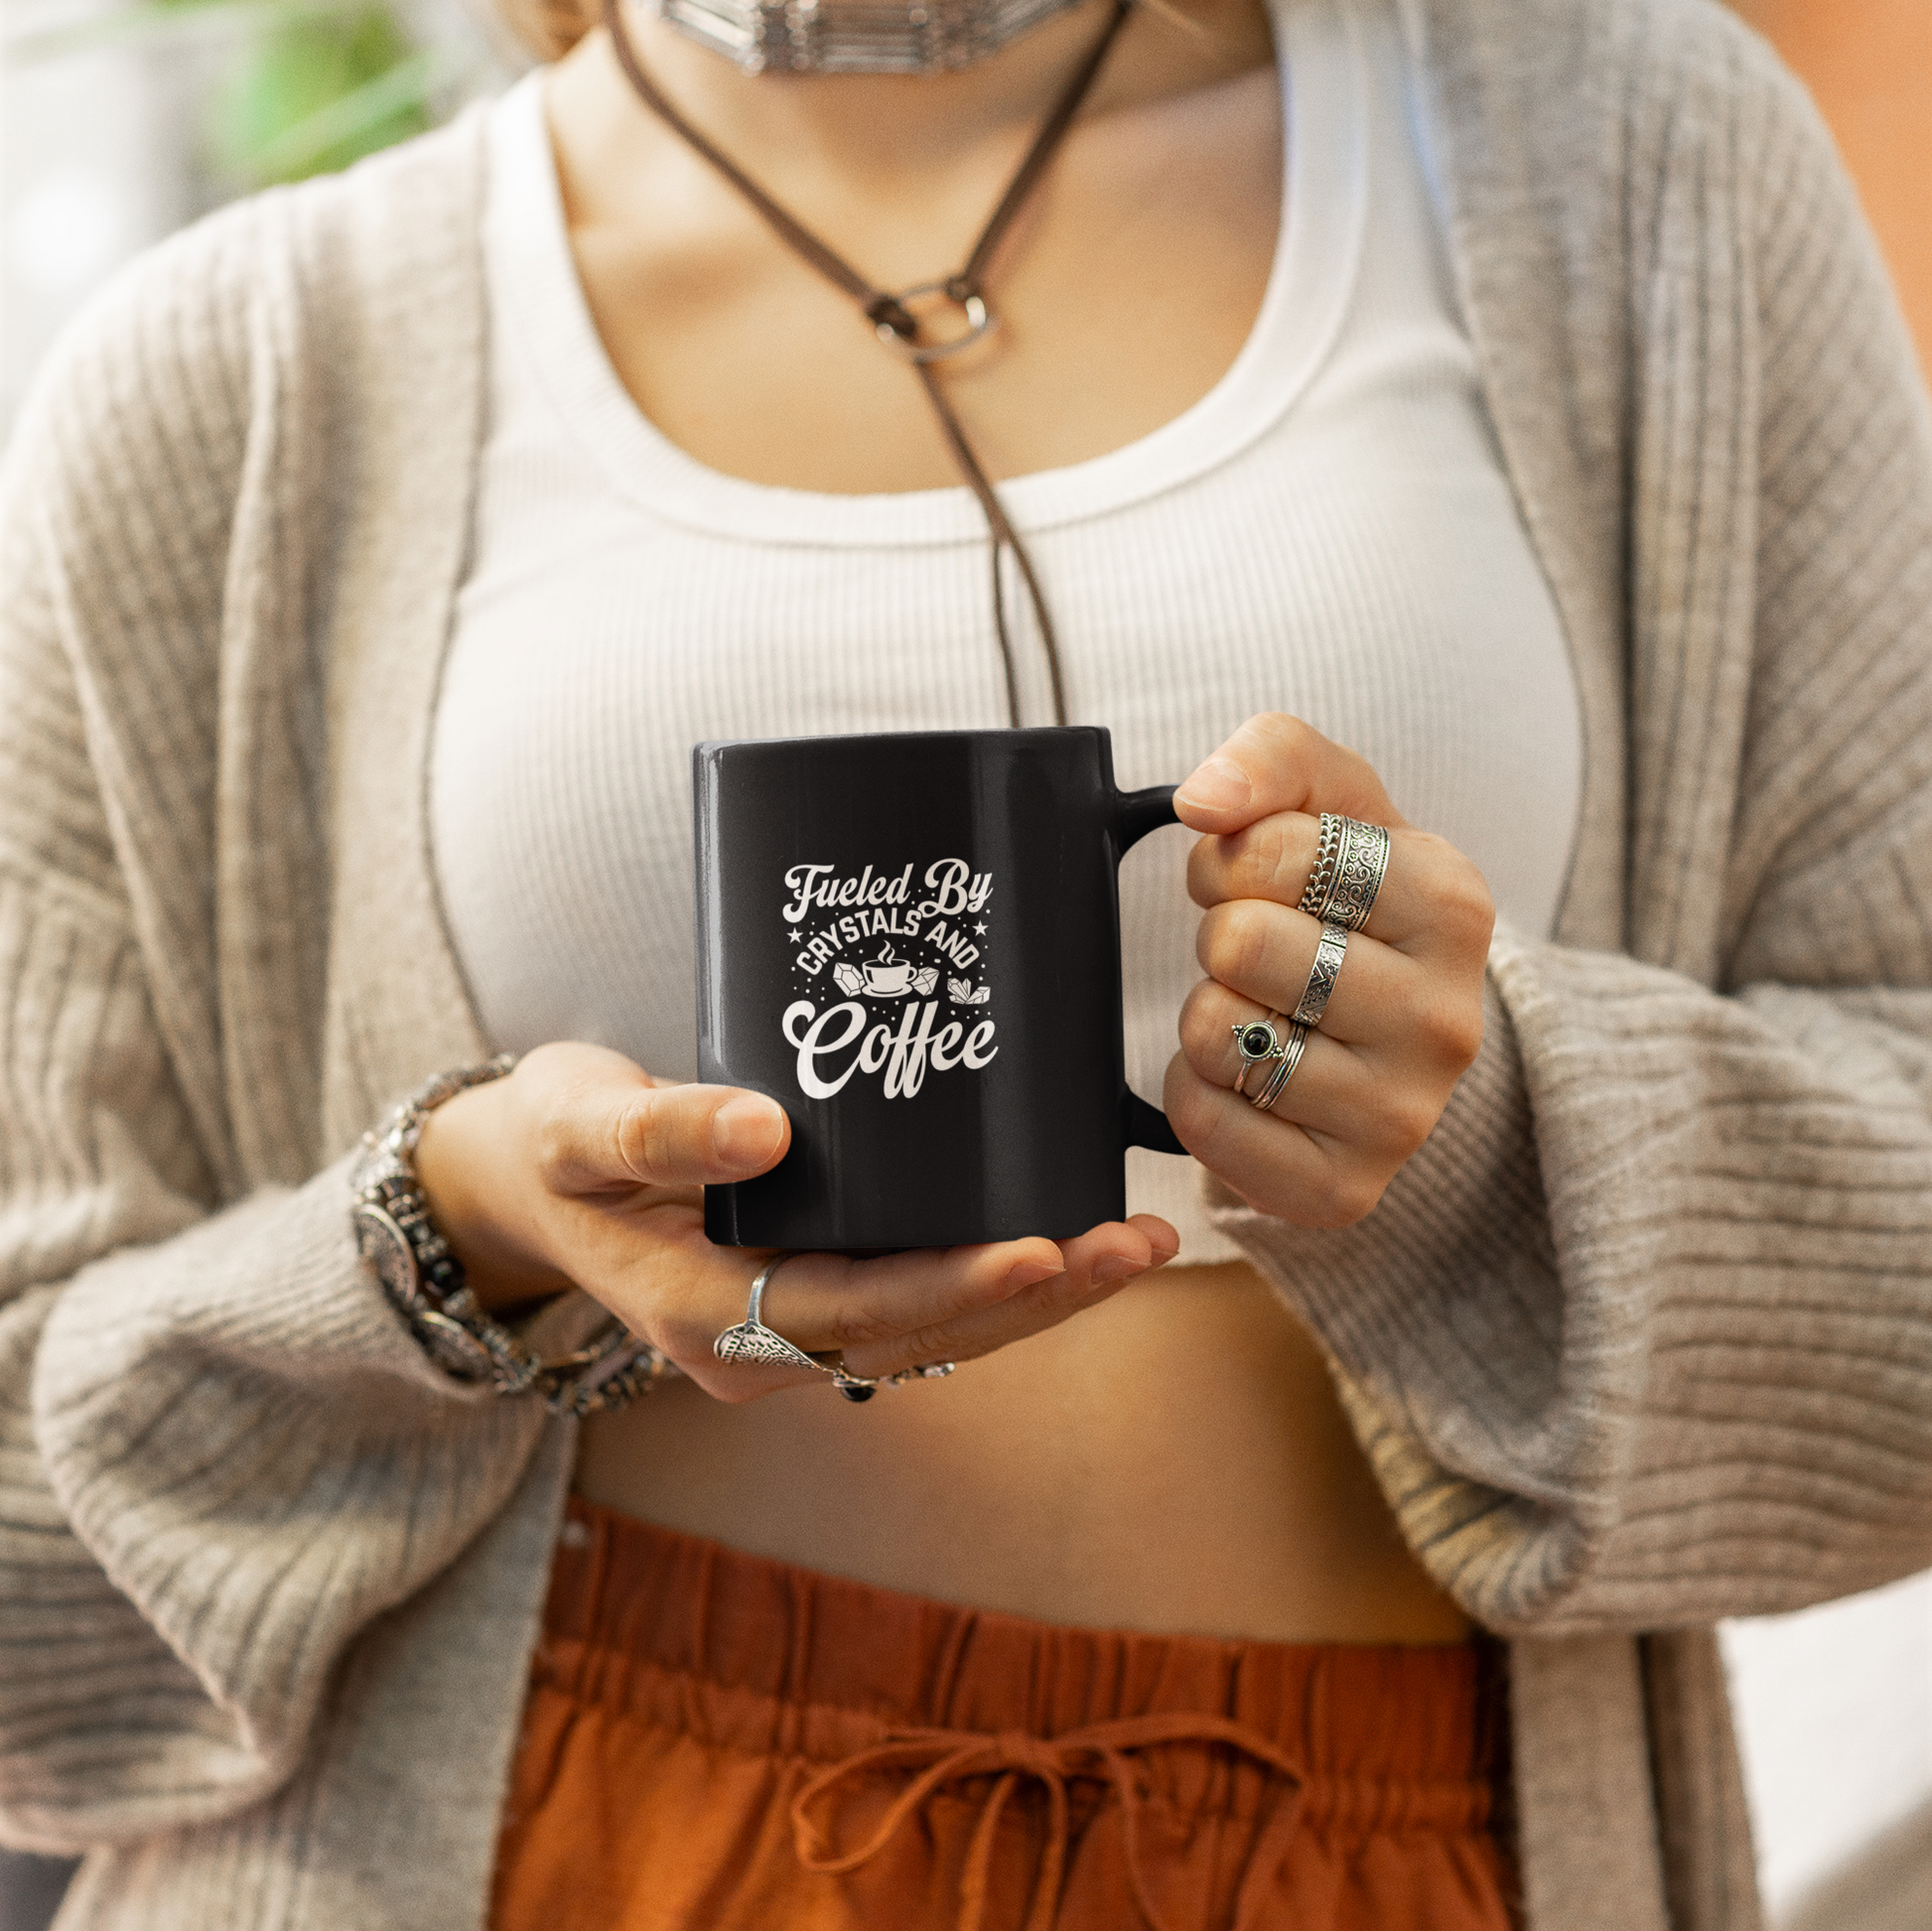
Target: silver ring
column 1256, row 1040
column 1322, row 875
column 980, row 321
column 751, row 1341
column 1321, row 975
column 1351, row 859
column 1298, row 1043
column 858, row 1387
column 1359, row 871
column 1360, row 874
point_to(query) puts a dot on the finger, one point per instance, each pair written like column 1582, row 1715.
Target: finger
column 1095, row 1266
column 903, row 1310
column 647, row 1259
column 1432, row 901
column 604, row 1124
column 1270, row 1159
column 841, row 1303
column 677, row 1289
column 1099, row 1264
column 1266, row 954
column 878, row 1317
column 1114, row 1251
column 826, row 1304
column 1345, row 1100
column 1160, row 1235
column 1276, row 762
column 653, row 1268
column 650, row 1264
column 1417, row 1015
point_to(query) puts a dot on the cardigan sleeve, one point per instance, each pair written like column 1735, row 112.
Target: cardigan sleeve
column 1642, row 1336
column 221, row 1454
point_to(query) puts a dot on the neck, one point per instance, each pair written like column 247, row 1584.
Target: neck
column 901, row 126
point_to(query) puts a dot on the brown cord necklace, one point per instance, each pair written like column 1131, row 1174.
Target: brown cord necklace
column 900, row 329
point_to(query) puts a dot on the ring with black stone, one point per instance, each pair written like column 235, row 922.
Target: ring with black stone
column 858, row 1387
column 1256, row 1040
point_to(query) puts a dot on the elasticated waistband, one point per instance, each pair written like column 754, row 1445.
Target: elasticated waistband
column 746, row 1654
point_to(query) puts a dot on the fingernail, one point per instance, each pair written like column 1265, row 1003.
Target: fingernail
column 1220, row 785
column 1028, row 1272
column 1116, row 1267
column 745, row 1132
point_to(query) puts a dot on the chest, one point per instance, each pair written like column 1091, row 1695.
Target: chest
column 1122, row 295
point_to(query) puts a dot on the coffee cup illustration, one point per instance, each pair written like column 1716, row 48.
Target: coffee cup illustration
column 886, row 976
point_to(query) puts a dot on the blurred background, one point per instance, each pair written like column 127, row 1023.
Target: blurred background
column 122, row 119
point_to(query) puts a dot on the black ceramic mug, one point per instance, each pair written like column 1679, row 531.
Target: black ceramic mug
column 912, row 942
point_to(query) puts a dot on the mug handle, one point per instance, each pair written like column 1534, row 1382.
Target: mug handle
column 1136, row 813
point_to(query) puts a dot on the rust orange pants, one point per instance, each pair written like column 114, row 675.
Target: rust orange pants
column 718, row 1743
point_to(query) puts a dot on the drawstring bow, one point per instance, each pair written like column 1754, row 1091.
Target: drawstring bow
column 1101, row 1752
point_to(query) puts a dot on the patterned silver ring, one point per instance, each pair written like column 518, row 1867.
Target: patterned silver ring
column 1298, row 1043
column 1256, row 1040
column 1359, row 871
column 751, row 1341
column 1322, row 975
column 1351, row 859
column 1322, row 875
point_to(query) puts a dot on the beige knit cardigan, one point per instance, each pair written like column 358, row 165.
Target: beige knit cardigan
column 1640, row 1339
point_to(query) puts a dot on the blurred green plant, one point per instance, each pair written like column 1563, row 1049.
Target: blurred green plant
column 318, row 90
column 307, row 86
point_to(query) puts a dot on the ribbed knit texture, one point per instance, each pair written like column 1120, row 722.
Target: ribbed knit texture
column 1727, row 1238
column 221, row 1458
column 1643, row 1335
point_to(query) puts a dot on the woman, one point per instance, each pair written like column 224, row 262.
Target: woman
column 1543, row 431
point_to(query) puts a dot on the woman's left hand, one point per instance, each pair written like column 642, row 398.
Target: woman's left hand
column 1405, row 1017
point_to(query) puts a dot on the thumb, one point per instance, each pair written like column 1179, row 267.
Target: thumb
column 676, row 1135
column 612, row 1128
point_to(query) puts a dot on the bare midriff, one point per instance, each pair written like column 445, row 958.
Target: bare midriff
column 1173, row 1460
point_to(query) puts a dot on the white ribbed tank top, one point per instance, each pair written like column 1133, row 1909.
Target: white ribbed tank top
column 1328, row 531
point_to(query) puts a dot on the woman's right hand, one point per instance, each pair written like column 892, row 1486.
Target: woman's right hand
column 580, row 1170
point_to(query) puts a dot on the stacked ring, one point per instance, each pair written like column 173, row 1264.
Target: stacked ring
column 1351, row 859
column 1321, row 975
column 1322, row 875
column 1291, row 1058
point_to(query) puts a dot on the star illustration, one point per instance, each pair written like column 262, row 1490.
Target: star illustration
column 794, row 937
column 979, row 929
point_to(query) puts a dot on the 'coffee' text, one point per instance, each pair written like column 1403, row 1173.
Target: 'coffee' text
column 902, row 1056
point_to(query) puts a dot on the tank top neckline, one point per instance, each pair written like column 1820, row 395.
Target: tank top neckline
column 539, row 299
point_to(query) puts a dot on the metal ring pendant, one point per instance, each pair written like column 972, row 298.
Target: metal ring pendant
column 980, row 321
